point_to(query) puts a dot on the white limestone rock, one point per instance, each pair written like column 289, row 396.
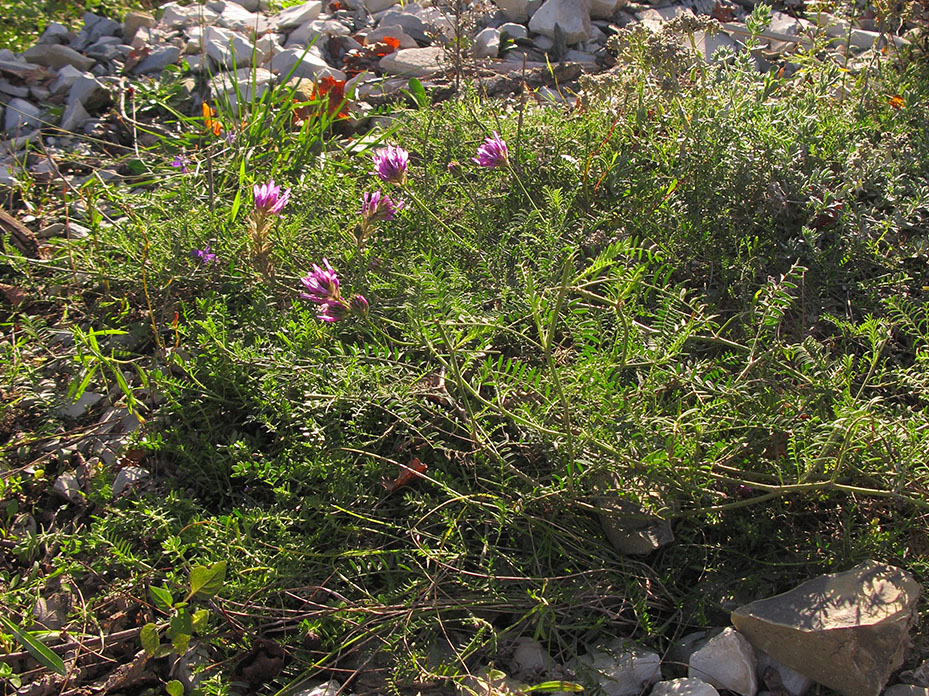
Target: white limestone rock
column 513, row 30
column 620, row 668
column 603, row 9
column 530, row 659
column 848, row 631
column 228, row 48
column 727, row 661
column 573, row 16
column 128, row 478
column 301, row 62
column 316, row 31
column 414, row 62
column 248, row 83
column 394, row 30
column 158, row 60
column 486, row 43
column 514, row 10
column 773, row 674
column 293, row 17
column 375, row 6
column 21, row 115
column 57, row 56
column 686, row 686
column 178, row 16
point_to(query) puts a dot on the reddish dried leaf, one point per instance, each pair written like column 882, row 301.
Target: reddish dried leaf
column 408, row 474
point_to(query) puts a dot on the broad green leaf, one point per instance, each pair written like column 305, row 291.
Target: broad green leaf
column 174, row 688
column 43, row 655
column 162, row 598
column 181, row 624
column 200, row 620
column 236, row 204
column 149, row 638
column 180, row 643
column 206, row 581
column 419, row 93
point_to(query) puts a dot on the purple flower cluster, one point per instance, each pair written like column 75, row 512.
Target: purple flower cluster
column 322, row 286
column 205, row 256
column 493, row 153
column 181, row 162
column 390, row 164
column 268, row 198
column 379, row 206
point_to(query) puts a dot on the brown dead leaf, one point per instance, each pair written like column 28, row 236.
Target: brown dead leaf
column 14, row 295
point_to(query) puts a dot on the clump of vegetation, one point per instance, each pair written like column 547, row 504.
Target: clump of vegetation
column 386, row 397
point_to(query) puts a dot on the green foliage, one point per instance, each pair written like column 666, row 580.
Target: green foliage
column 701, row 295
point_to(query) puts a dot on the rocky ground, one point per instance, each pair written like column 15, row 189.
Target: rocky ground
column 69, row 98
column 71, row 85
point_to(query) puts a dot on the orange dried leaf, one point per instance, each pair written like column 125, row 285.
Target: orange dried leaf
column 407, row 475
column 896, row 101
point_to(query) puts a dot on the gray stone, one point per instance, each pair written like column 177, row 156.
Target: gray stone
column 687, row 686
column 394, row 30
column 411, row 24
column 655, row 17
column 514, row 10
column 513, row 30
column 486, row 43
column 329, row 688
column 250, row 5
column 783, row 23
column 55, row 33
column 7, row 175
column 67, row 76
column 918, row 676
column 847, row 631
column 374, row 6
column 89, row 92
column 781, row 678
column 620, row 668
column 627, row 525
column 603, row 9
column 573, row 16
column 708, row 45
column 530, row 659
column 107, row 48
column 21, row 115
column 906, row 690
column 74, row 117
column 158, row 60
column 57, row 56
column 293, row 17
column 20, row 91
column 228, row 48
column 580, row 57
column 249, row 84
column 414, row 62
column 78, row 408
column 300, row 62
column 51, row 612
column 128, row 478
column 177, row 16
column 67, row 487
column 727, row 661
column 234, row 16
column 314, row 32
column 134, row 21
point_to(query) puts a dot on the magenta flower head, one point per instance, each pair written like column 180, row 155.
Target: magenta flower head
column 180, row 162
column 322, row 285
column 379, row 206
column 334, row 311
column 359, row 305
column 268, row 198
column 493, row 153
column 204, row 255
column 390, row 164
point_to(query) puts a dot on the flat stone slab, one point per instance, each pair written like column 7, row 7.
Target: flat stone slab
column 414, row 62
column 848, row 631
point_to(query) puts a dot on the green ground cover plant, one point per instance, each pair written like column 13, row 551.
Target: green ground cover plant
column 390, row 384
